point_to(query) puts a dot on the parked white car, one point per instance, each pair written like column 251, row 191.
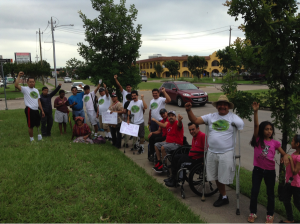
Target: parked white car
column 76, row 84
column 67, row 79
column 1, row 83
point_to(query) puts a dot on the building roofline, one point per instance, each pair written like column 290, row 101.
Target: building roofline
column 179, row 58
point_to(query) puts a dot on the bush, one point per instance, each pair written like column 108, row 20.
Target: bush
column 152, row 75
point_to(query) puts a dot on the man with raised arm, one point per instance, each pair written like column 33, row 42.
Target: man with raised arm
column 174, row 138
column 124, row 92
column 156, row 104
column 32, row 103
column 220, row 156
column 136, row 108
column 76, row 103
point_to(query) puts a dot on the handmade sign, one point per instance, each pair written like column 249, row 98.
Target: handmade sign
column 129, row 129
column 108, row 118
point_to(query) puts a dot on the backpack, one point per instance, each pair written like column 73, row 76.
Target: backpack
column 99, row 140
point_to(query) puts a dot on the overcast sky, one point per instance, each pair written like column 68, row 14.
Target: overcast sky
column 203, row 26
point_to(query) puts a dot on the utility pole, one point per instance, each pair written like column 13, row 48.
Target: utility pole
column 230, row 36
column 54, row 60
column 41, row 54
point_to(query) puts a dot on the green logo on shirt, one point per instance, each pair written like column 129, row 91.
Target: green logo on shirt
column 135, row 109
column 86, row 98
column 101, row 101
column 34, row 95
column 154, row 106
column 220, row 125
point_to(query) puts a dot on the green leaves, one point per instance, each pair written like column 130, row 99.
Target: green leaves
column 196, row 65
column 173, row 67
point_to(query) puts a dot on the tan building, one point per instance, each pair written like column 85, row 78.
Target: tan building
column 147, row 65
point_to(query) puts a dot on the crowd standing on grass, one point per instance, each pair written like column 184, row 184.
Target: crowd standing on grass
column 167, row 135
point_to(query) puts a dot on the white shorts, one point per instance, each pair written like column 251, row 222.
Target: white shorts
column 60, row 117
column 92, row 117
column 220, row 166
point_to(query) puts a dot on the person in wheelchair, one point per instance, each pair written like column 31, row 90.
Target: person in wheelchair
column 159, row 135
column 174, row 139
column 195, row 155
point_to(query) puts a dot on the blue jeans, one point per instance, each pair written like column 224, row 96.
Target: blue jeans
column 269, row 177
column 153, row 126
column 77, row 113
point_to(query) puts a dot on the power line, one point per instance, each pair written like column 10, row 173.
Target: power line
column 69, row 28
column 46, row 27
column 66, row 43
column 73, row 32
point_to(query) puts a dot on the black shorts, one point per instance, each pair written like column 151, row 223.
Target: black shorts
column 33, row 117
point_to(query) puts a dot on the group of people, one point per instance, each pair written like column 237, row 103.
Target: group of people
column 167, row 135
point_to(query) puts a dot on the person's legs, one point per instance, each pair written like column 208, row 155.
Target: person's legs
column 114, row 135
column 49, row 124
column 288, row 205
column 270, row 178
column 257, row 176
column 30, row 131
column 81, row 114
column 153, row 126
column 152, row 141
column 65, row 127
column 119, row 136
column 44, row 125
column 96, row 128
column 60, row 128
column 142, row 138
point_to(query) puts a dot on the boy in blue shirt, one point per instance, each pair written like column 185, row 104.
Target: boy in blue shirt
column 76, row 103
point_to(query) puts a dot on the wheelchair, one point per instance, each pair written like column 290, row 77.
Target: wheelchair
column 191, row 172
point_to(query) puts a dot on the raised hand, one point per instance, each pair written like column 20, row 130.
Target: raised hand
column 115, row 76
column 104, row 85
column 255, row 106
column 163, row 89
column 188, row 106
column 21, row 73
column 59, row 84
column 142, row 96
column 180, row 117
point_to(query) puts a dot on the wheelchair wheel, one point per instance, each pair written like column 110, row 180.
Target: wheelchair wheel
column 196, row 182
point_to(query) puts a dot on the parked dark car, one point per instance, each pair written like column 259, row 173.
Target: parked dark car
column 254, row 76
column 182, row 92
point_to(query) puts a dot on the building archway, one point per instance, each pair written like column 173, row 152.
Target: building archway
column 148, row 75
column 185, row 74
column 215, row 63
column 215, row 71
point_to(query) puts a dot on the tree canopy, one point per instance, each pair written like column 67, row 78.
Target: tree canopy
column 159, row 69
column 196, row 65
column 173, row 67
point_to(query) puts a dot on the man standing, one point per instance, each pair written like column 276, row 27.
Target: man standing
column 220, row 156
column 136, row 108
column 76, row 103
column 32, row 103
column 156, row 104
column 173, row 141
column 89, row 100
column 47, row 120
column 124, row 92
column 103, row 105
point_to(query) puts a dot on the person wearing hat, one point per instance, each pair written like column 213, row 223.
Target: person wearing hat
column 156, row 104
column 116, row 107
column 103, row 105
column 219, row 162
column 174, row 138
column 81, row 131
column 159, row 135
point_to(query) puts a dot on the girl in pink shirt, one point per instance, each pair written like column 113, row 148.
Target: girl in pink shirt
column 264, row 165
column 292, row 176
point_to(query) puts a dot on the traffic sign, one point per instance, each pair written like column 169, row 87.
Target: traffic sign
column 6, row 60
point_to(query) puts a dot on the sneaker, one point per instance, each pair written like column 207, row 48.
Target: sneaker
column 171, row 183
column 252, row 217
column 141, row 150
column 269, row 219
column 159, row 169
column 221, row 201
column 151, row 158
column 157, row 164
column 168, row 179
column 40, row 137
column 96, row 135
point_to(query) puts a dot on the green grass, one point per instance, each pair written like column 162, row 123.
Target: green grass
column 59, row 181
column 219, row 80
column 246, row 185
column 215, row 96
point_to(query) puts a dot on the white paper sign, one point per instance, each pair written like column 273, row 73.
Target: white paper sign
column 108, row 118
column 131, row 129
column 100, row 81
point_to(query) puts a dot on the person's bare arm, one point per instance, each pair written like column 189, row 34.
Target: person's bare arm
column 255, row 107
column 294, row 167
column 154, row 133
column 41, row 108
column 56, row 105
column 144, row 103
column 18, row 80
column 96, row 90
column 97, row 112
column 118, row 84
column 162, row 125
column 168, row 98
column 192, row 117
column 128, row 117
column 149, row 120
column 106, row 91
column 179, row 124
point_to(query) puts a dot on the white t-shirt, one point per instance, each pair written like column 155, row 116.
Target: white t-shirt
column 103, row 103
column 31, row 97
column 87, row 99
column 136, row 109
column 155, row 106
column 124, row 94
column 221, row 131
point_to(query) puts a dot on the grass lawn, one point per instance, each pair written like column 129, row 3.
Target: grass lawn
column 215, row 96
column 246, row 185
column 59, row 181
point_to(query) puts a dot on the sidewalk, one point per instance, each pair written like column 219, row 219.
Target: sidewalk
column 224, row 214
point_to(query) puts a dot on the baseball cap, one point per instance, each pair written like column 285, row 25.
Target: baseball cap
column 162, row 111
column 172, row 112
column 101, row 89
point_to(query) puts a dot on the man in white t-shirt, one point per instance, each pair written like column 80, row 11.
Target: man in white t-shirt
column 124, row 92
column 90, row 104
column 136, row 108
column 220, row 156
column 103, row 105
column 156, row 104
column 32, row 103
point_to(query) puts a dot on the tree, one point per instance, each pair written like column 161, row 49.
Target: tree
column 72, row 65
column 113, row 43
column 159, row 69
column 173, row 67
column 273, row 29
column 196, row 65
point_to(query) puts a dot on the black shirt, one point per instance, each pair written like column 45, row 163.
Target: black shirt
column 46, row 101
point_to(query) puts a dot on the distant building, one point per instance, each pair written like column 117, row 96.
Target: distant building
column 147, row 65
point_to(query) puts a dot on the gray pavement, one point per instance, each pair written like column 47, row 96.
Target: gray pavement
column 204, row 209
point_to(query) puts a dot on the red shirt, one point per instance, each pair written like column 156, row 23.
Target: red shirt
column 198, row 143
column 164, row 130
column 174, row 133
